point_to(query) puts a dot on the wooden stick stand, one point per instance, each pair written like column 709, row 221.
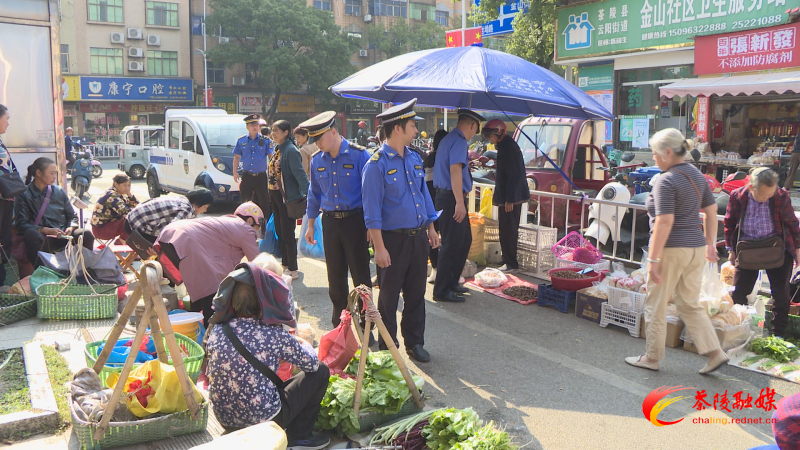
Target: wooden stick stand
column 398, row 358
column 149, row 287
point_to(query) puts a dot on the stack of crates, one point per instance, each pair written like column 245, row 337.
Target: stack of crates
column 534, row 252
column 624, row 308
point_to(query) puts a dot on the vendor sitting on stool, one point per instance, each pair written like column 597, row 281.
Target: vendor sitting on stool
column 110, row 210
column 253, row 304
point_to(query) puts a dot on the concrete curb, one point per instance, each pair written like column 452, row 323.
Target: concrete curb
column 44, row 413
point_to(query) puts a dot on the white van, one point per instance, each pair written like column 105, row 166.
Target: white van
column 198, row 152
column 137, row 141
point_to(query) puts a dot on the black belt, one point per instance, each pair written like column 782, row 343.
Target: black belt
column 252, row 174
column 407, row 231
column 342, row 214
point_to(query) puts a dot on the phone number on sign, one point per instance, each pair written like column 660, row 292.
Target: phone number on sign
column 743, row 24
column 700, row 29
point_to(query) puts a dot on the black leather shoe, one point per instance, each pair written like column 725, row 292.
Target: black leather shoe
column 450, row 296
column 419, row 353
column 460, row 289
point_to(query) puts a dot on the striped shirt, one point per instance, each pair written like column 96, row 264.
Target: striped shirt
column 675, row 194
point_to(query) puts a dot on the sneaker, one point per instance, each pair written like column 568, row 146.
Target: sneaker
column 432, row 276
column 315, row 442
column 505, row 269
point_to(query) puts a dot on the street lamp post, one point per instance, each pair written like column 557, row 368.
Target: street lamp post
column 205, row 60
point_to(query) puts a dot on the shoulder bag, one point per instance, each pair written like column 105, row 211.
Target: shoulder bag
column 11, row 184
column 255, row 362
column 18, row 249
column 757, row 254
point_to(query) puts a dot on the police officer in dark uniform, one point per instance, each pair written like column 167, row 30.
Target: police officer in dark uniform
column 335, row 192
column 252, row 150
column 452, row 181
column 399, row 215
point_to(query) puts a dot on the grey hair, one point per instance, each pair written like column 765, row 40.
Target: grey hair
column 763, row 176
column 671, row 138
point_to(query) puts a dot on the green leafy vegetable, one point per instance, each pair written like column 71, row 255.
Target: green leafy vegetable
column 487, row 438
column 775, row 348
column 768, row 364
column 448, row 427
column 789, row 369
column 750, row 360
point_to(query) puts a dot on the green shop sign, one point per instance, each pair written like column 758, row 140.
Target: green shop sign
column 622, row 26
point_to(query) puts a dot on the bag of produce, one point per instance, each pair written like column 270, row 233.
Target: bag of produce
column 490, row 278
column 478, row 228
column 316, row 251
column 338, row 346
column 153, row 388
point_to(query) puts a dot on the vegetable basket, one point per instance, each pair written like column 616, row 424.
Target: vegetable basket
column 138, row 431
column 76, row 301
column 371, row 419
column 191, row 362
column 14, row 308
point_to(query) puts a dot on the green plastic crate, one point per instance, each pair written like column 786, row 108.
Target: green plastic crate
column 76, row 301
column 193, row 362
column 792, row 329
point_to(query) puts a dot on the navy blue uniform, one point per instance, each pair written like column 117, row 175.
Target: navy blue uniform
column 253, row 163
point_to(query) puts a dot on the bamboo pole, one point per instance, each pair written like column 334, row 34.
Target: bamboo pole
column 155, row 328
column 116, row 331
column 389, row 340
column 362, row 365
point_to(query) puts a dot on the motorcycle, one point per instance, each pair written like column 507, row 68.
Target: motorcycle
column 97, row 168
column 82, row 174
column 483, row 167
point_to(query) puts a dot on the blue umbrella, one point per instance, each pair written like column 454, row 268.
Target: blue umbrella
column 471, row 77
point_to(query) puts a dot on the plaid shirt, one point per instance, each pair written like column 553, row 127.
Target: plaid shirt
column 153, row 215
column 754, row 225
column 785, row 222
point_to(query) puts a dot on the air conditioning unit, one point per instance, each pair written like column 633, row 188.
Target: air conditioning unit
column 154, row 39
column 237, row 81
column 362, row 53
column 135, row 33
column 224, row 40
column 135, row 66
column 117, row 38
column 368, row 18
column 135, row 52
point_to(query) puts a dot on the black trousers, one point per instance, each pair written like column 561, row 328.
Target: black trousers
column 6, row 222
column 346, row 247
column 204, row 306
column 36, row 242
column 745, row 279
column 508, row 224
column 253, row 187
column 128, row 229
column 301, row 402
column 407, row 274
column 434, row 254
column 284, row 227
column 456, row 240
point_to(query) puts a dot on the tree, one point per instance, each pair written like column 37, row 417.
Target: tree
column 534, row 32
column 402, row 37
column 286, row 44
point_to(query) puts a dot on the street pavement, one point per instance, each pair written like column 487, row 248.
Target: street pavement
column 552, row 380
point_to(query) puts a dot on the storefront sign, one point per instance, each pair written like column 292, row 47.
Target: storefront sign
column 70, row 88
column 762, row 49
column 136, row 89
column 226, row 103
column 250, row 102
column 620, row 26
column 296, row 103
column 70, row 112
column 598, row 83
column 140, row 108
column 365, row 107
column 701, row 129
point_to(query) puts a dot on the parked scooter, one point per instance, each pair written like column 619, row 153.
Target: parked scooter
column 78, row 150
column 483, row 167
column 82, row 174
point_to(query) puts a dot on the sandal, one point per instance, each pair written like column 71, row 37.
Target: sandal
column 636, row 361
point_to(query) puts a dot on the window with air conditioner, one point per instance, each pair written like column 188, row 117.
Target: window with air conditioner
column 134, row 33
column 117, row 38
column 154, row 40
column 106, row 61
column 105, row 11
column 215, row 74
column 135, row 52
column 135, row 66
column 363, row 53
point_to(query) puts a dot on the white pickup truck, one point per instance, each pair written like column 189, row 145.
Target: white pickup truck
column 198, row 152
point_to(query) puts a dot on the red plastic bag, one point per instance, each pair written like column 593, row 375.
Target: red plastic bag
column 338, row 346
column 285, row 370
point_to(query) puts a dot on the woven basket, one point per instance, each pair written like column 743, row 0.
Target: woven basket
column 76, row 301
column 191, row 362
column 368, row 420
column 14, row 308
column 138, row 431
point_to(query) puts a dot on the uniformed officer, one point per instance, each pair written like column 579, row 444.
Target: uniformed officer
column 252, row 150
column 399, row 215
column 452, row 181
column 335, row 192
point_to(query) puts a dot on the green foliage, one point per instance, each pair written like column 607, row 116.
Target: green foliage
column 448, row 427
column 14, row 394
column 487, row 438
column 775, row 348
column 289, row 45
column 402, row 37
column 60, row 375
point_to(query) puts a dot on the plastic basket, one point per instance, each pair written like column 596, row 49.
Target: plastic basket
column 138, row 431
column 598, row 267
column 368, row 420
column 548, row 296
column 14, row 308
column 572, row 241
column 191, row 362
column 632, row 321
column 537, row 237
column 626, row 300
column 792, row 328
column 535, row 262
column 76, row 301
column 491, row 230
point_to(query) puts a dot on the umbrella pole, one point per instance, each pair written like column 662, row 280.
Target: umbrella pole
column 445, row 119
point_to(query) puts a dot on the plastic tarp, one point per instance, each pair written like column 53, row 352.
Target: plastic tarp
column 780, row 82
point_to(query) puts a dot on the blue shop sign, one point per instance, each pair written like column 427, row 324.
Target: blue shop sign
column 136, row 89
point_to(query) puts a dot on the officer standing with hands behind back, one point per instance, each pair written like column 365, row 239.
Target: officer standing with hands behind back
column 335, row 192
column 399, row 215
column 452, row 181
column 252, row 150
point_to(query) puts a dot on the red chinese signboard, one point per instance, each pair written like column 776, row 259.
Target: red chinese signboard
column 471, row 35
column 765, row 48
column 209, row 97
column 702, row 119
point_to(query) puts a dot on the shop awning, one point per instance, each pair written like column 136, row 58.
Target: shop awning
column 780, row 82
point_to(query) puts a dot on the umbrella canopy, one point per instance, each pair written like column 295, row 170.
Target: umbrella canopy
column 471, row 77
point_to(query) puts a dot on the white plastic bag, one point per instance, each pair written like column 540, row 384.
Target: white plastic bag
column 712, row 284
column 490, row 278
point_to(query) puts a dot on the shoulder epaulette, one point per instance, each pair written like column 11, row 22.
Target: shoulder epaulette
column 358, row 147
column 415, row 149
column 377, row 155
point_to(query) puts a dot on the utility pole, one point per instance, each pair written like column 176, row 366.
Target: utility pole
column 205, row 60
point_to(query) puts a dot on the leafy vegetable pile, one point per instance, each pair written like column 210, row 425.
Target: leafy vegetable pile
column 384, row 392
column 775, row 348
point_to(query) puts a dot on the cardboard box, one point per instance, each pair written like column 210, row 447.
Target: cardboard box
column 588, row 306
column 673, row 334
column 689, row 346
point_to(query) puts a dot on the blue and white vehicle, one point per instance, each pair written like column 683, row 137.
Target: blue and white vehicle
column 198, row 152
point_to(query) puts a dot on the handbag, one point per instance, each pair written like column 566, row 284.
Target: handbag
column 18, row 248
column 11, row 184
column 255, row 362
column 295, row 209
column 759, row 254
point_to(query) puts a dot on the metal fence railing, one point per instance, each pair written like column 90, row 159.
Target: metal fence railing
column 105, row 150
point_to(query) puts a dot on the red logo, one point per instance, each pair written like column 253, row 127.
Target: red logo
column 655, row 402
